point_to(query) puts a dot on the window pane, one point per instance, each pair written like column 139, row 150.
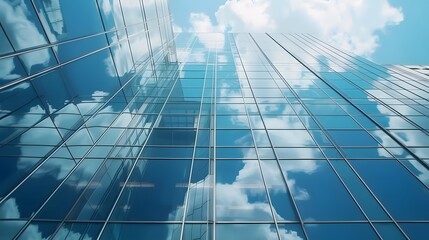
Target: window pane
column 340, row 231
column 156, row 190
column 240, row 192
column 403, row 195
column 315, row 188
column 143, row 231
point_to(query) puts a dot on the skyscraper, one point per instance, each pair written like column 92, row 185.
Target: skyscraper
column 114, row 128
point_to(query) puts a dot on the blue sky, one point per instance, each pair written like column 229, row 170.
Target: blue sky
column 386, row 31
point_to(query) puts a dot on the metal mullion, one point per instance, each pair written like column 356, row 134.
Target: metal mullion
column 378, row 99
column 110, row 49
column 214, row 68
column 173, row 44
column 104, row 161
column 295, row 206
column 126, row 32
column 386, row 130
column 345, row 159
column 182, row 229
column 8, row 40
column 68, row 175
column 400, row 69
column 52, row 45
column 45, row 34
column 346, row 62
column 339, row 52
column 367, row 131
column 341, row 58
column 44, row 31
column 14, row 51
column 63, row 143
column 143, row 11
column 133, row 166
column 362, row 179
column 352, row 104
column 234, row 49
column 16, row 82
column 326, row 158
column 159, row 25
column 136, row 160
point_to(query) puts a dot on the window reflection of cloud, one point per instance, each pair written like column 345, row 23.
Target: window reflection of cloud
column 15, row 15
column 10, row 210
column 255, row 231
column 407, row 138
column 230, row 195
column 6, row 69
column 121, row 51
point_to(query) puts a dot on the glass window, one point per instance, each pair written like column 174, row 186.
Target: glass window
column 415, row 230
column 389, row 231
column 93, row 85
column 173, row 137
column 198, row 231
column 232, row 121
column 64, row 20
column 279, row 194
column 282, row 122
column 234, row 138
column 352, row 231
column 11, row 69
column 240, row 191
column 368, row 203
column 143, row 231
column 19, row 22
column 338, row 122
column 199, row 201
column 291, row 138
column 70, row 50
column 5, row 47
column 9, row 229
column 34, row 191
column 352, row 138
column 155, row 191
column 399, row 191
column 168, row 152
column 315, row 188
column 291, row 231
column 236, row 152
column 71, row 231
column 249, row 231
column 43, row 230
column 60, row 203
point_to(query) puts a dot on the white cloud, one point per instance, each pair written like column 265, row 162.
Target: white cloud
column 211, row 36
column 7, row 67
column 201, row 23
column 177, row 28
column 350, row 24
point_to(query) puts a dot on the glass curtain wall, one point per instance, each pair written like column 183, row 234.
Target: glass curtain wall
column 112, row 130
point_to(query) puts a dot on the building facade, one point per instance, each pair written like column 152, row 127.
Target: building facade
column 114, row 128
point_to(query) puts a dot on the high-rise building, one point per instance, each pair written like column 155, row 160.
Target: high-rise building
column 114, row 128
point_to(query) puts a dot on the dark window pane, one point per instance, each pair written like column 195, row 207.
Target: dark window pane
column 156, row 190
column 142, row 231
column 315, row 188
column 404, row 196
column 340, row 231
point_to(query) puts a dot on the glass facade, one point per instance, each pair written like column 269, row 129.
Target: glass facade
column 114, row 128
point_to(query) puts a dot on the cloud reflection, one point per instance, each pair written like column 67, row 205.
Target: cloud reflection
column 15, row 17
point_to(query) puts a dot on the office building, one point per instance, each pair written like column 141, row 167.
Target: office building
column 112, row 127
